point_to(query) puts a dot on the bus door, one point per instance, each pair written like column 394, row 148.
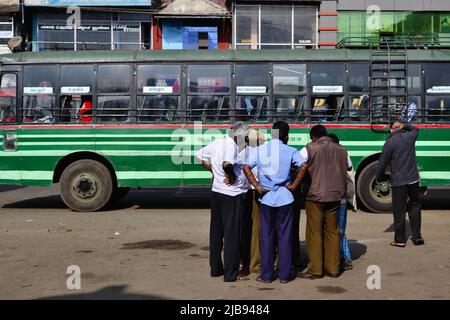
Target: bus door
column 10, row 164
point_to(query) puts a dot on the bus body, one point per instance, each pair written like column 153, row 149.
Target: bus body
column 151, row 111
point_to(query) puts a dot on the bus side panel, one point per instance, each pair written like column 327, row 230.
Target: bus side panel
column 42, row 148
column 432, row 151
column 433, row 156
column 141, row 157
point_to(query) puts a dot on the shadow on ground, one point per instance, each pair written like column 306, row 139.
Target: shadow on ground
column 141, row 198
column 189, row 198
column 357, row 250
column 6, row 188
column 107, row 293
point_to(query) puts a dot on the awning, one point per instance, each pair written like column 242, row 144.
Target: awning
column 193, row 8
column 9, row 5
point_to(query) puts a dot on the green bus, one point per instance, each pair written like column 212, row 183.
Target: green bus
column 101, row 122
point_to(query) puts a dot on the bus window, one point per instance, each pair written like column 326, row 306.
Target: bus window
column 327, row 101
column 289, row 86
column 113, row 108
column 39, row 93
column 438, row 109
column 437, row 85
column 158, row 93
column 358, row 87
column 209, row 89
column 114, row 85
column 8, row 99
column 76, row 87
column 252, row 84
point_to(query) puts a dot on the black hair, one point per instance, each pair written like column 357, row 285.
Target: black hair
column 333, row 137
column 283, row 130
column 318, row 131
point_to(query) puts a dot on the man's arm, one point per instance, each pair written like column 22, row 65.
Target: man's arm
column 412, row 130
column 228, row 168
column 298, row 179
column 207, row 165
column 384, row 161
column 251, row 178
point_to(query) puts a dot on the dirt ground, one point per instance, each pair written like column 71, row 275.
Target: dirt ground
column 154, row 245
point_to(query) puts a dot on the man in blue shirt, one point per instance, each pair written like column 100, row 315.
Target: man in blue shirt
column 274, row 161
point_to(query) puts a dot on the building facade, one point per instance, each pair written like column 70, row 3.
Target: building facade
column 88, row 25
column 191, row 25
column 10, row 24
column 218, row 24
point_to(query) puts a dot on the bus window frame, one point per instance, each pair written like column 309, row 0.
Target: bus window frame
column 131, row 94
column 306, row 94
column 16, row 107
column 235, row 96
column 230, row 94
column 312, row 95
column 346, row 118
column 179, row 115
column 92, row 93
column 55, row 94
column 425, row 115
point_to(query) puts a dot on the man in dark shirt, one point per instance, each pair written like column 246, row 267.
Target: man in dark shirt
column 399, row 152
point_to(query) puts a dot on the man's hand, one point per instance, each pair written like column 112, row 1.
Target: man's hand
column 261, row 191
column 227, row 181
column 291, row 187
column 397, row 126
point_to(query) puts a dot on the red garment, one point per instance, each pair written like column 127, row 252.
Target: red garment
column 86, row 112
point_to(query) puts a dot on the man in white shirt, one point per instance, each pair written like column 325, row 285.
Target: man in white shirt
column 221, row 157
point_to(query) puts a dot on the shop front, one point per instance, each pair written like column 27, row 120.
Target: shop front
column 192, row 25
column 102, row 25
column 8, row 13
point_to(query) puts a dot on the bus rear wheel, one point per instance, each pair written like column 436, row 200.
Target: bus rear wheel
column 370, row 197
column 86, row 186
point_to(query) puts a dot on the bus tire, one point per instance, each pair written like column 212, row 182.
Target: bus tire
column 86, row 185
column 119, row 193
column 371, row 199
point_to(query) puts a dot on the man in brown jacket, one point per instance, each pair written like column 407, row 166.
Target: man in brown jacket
column 327, row 166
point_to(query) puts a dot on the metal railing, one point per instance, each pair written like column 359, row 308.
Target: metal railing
column 409, row 42
column 85, row 45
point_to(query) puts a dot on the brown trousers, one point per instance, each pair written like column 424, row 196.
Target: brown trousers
column 255, row 254
column 322, row 237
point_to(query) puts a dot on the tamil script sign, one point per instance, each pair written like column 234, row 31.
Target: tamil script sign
column 439, row 89
column 328, row 89
column 87, row 3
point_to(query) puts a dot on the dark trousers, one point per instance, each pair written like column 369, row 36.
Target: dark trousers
column 280, row 218
column 225, row 231
column 400, row 205
column 246, row 236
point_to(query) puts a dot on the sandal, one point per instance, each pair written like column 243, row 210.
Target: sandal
column 398, row 244
column 309, row 276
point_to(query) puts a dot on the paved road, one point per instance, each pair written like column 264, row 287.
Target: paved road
column 154, row 244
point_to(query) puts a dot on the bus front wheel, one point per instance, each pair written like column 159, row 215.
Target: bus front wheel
column 86, row 186
column 373, row 199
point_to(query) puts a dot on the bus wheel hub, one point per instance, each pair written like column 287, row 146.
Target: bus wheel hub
column 85, row 186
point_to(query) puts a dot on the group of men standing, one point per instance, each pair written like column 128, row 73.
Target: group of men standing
column 255, row 204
